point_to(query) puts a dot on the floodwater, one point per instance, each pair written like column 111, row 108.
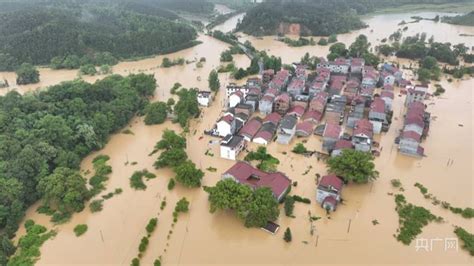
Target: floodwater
column 201, row 238
column 231, row 23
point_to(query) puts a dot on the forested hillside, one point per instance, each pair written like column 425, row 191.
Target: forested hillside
column 467, row 19
column 36, row 34
column 55, row 129
column 317, row 17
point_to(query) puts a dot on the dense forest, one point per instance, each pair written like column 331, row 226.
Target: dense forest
column 467, row 19
column 36, row 34
column 45, row 135
column 317, row 17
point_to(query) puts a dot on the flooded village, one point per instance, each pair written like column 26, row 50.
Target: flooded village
column 344, row 104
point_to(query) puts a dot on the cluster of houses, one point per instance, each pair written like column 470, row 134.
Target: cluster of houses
column 338, row 102
column 416, row 124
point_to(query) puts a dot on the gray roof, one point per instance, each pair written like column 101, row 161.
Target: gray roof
column 231, row 141
column 289, row 121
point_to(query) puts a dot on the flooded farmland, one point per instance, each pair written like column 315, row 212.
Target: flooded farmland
column 348, row 236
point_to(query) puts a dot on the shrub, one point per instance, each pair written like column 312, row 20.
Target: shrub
column 157, row 263
column 467, row 238
column 135, row 262
column 301, row 199
column 171, row 184
column 396, row 182
column 80, row 229
column 289, row 206
column 287, row 236
column 96, row 205
column 299, row 149
column 143, row 244
column 182, row 205
column 150, row 227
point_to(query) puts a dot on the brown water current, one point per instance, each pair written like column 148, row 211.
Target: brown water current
column 347, row 237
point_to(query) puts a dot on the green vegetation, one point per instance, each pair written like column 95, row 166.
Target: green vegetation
column 188, row 175
column 412, row 219
column 466, row 19
column 422, row 189
column 136, row 180
column 225, row 37
column 429, row 69
column 323, row 42
column 28, row 250
column 150, row 227
column 171, row 184
column 125, row 30
column 169, row 63
column 269, row 62
column 254, row 207
column 301, row 199
column 298, row 43
column 266, row 161
column 396, row 183
column 88, row 69
column 187, row 106
column 287, row 236
column 156, row 113
column 64, row 191
column 289, row 206
column 80, row 229
column 317, row 17
column 213, row 80
column 467, row 238
column 300, row 149
column 96, row 205
column 352, row 165
column 45, row 135
column 182, row 206
column 27, row 74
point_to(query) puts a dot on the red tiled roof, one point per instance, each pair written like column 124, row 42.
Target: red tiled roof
column 388, row 87
column 251, row 128
column 273, row 117
column 238, row 93
column 332, row 131
column 331, row 180
column 357, row 61
column 315, row 115
column 386, row 94
column 272, row 91
column 268, row 98
column 246, row 174
column 343, row 144
column 411, row 135
column 284, row 97
column 228, row 118
column 378, row 105
column 305, row 127
column 297, row 110
column 363, row 127
column 414, row 119
column 264, row 135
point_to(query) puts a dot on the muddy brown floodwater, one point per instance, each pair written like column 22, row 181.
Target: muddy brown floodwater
column 201, row 238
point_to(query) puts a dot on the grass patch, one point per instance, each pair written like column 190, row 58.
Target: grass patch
column 80, row 229
column 28, row 249
column 467, row 238
column 412, row 219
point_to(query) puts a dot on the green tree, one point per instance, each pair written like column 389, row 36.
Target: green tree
column 332, row 38
column 156, row 113
column 27, row 74
column 262, row 208
column 299, row 149
column 289, row 206
column 65, row 189
column 229, row 195
column 323, row 41
column 385, row 49
column 214, row 83
column 171, row 158
column 88, row 69
column 353, row 165
column 359, row 46
column 182, row 205
column 144, row 84
column 71, row 62
column 429, row 62
column 170, row 140
column 188, row 175
column 339, row 49
column 287, row 236
column 226, row 56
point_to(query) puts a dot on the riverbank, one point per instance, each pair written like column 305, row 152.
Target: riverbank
column 445, row 8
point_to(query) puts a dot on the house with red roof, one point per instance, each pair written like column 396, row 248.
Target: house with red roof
column 416, row 126
column 362, row 135
column 296, row 87
column 266, row 133
column 331, row 134
column 336, row 85
column 357, row 65
column 297, row 111
column 356, row 113
column 416, row 94
column 244, row 173
column 250, row 129
column 377, row 115
column 226, row 125
column 265, row 105
column 273, row 118
column 287, row 129
column 232, row 87
column 312, row 116
column 341, row 145
column 387, row 96
column 319, row 101
column 328, row 192
column 267, row 75
column 280, row 80
column 352, row 89
column 304, row 129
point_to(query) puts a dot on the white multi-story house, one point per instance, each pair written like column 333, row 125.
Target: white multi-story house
column 231, row 146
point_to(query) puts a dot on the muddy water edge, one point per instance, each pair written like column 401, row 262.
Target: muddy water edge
column 200, row 238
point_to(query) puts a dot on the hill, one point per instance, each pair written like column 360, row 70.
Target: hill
column 37, row 34
column 466, row 20
column 306, row 18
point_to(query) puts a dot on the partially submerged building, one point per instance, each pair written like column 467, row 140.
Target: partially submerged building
column 329, row 192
